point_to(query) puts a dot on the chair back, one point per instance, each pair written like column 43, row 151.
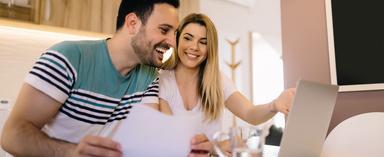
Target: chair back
column 359, row 136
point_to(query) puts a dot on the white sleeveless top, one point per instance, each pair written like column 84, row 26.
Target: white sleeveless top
column 169, row 91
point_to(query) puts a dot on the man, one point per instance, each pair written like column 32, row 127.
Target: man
column 77, row 92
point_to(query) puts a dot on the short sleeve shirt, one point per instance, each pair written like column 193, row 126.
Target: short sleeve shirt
column 94, row 95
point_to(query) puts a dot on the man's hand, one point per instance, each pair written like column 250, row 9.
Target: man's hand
column 202, row 147
column 98, row 146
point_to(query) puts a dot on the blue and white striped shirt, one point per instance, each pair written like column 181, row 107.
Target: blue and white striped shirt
column 94, row 95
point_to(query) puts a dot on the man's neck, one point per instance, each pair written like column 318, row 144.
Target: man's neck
column 121, row 54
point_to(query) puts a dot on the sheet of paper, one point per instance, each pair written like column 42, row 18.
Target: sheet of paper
column 147, row 132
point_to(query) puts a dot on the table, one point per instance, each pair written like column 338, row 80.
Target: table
column 271, row 151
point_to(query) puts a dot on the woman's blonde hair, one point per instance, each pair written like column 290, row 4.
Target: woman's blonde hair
column 210, row 89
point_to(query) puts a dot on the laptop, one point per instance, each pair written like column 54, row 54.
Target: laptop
column 308, row 120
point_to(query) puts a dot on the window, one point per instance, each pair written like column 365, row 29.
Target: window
column 267, row 73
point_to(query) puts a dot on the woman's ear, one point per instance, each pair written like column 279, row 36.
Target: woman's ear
column 132, row 23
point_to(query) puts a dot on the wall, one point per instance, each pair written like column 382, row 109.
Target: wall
column 305, row 55
column 234, row 21
column 187, row 7
column 19, row 49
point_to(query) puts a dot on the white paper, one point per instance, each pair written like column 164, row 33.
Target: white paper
column 147, row 132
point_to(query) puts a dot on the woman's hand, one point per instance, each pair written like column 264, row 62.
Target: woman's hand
column 284, row 101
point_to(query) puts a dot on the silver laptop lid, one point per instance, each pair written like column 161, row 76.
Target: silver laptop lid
column 308, row 120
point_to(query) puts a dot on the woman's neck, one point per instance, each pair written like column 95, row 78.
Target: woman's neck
column 186, row 75
column 187, row 83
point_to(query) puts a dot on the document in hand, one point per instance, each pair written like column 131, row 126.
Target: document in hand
column 147, row 132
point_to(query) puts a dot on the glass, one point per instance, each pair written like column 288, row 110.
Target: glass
column 246, row 141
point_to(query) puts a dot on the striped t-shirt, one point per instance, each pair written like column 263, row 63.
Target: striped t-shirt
column 94, row 95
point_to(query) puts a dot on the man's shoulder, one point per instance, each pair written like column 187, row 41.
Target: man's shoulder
column 75, row 46
column 74, row 49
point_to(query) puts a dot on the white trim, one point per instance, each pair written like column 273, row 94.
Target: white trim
column 331, row 46
column 366, row 87
column 332, row 58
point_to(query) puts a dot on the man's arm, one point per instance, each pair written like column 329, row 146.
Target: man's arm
column 22, row 135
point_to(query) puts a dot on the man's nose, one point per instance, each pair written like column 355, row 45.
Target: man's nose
column 171, row 40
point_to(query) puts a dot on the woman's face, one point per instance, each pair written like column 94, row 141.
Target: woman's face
column 192, row 48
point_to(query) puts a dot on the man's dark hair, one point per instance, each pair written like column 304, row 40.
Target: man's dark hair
column 142, row 8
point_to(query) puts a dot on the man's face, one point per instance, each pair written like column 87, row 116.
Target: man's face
column 157, row 35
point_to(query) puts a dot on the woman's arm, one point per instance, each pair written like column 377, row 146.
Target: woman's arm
column 239, row 105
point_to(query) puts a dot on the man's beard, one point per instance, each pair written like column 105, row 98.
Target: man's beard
column 143, row 49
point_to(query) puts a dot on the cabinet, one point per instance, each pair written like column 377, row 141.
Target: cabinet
column 90, row 15
column 24, row 10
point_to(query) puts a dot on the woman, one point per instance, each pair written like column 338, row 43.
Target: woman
column 193, row 83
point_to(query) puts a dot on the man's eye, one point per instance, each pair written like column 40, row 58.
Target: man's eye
column 164, row 30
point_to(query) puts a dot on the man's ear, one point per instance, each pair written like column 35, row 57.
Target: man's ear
column 132, row 22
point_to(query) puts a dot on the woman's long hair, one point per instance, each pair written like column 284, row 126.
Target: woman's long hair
column 210, row 89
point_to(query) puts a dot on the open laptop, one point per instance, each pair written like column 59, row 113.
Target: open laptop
column 308, row 120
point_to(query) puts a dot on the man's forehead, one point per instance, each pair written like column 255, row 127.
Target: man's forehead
column 164, row 14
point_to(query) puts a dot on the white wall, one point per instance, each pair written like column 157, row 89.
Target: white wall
column 19, row 49
column 237, row 21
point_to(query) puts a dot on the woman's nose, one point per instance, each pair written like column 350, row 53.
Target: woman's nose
column 194, row 46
